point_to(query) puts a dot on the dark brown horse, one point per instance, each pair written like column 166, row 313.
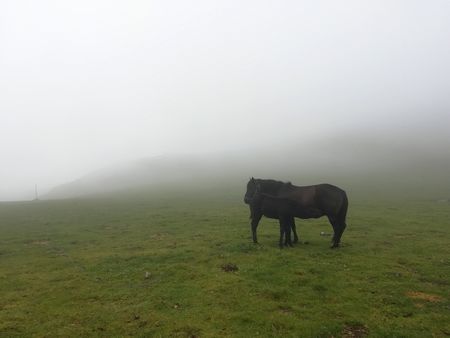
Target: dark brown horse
column 311, row 202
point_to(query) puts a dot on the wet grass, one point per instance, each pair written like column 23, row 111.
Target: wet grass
column 147, row 266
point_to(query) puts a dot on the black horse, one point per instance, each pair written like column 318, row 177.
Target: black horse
column 280, row 208
column 311, row 202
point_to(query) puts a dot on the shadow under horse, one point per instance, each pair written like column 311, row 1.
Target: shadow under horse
column 312, row 201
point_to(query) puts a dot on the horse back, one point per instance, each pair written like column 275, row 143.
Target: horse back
column 325, row 199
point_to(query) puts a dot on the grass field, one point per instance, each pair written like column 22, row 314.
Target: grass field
column 148, row 266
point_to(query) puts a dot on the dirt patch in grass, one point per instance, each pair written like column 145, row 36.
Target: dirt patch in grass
column 424, row 296
column 186, row 331
column 285, row 309
column 229, row 267
column 40, row 242
column 354, row 331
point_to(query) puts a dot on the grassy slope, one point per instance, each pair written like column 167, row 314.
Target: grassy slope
column 77, row 268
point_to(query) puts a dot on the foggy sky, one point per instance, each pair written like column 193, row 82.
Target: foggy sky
column 87, row 84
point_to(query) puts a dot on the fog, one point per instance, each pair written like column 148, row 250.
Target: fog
column 98, row 86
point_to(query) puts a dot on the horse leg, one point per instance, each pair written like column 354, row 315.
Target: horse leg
column 342, row 227
column 284, row 231
column 341, row 220
column 294, row 230
column 254, row 224
column 281, row 234
column 288, row 226
column 335, row 226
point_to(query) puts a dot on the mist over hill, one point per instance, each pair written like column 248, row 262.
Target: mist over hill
column 362, row 164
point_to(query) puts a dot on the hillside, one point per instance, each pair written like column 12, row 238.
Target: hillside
column 369, row 163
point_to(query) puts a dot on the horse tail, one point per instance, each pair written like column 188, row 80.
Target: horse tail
column 342, row 214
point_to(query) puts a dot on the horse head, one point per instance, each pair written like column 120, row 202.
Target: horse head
column 251, row 189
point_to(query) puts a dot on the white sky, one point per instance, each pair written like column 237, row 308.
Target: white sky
column 86, row 84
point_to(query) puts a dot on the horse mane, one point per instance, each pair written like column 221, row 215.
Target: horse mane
column 271, row 185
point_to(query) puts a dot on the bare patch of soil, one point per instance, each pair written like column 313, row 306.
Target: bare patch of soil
column 229, row 267
column 285, row 309
column 424, row 296
column 40, row 242
column 354, row 331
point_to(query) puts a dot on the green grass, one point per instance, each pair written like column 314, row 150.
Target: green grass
column 77, row 268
